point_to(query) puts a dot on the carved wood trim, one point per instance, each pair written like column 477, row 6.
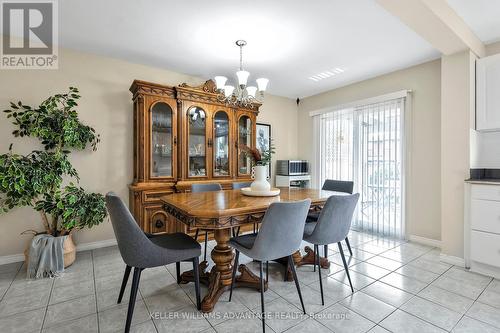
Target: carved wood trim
column 139, row 87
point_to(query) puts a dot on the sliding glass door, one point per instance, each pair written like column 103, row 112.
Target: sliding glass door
column 364, row 144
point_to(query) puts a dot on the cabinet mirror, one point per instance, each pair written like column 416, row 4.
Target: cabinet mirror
column 221, row 144
column 245, row 138
column 161, row 140
column 196, row 142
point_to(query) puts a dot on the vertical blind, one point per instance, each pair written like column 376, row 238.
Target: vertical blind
column 364, row 144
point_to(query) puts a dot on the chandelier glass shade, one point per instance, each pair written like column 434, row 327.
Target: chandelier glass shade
column 242, row 94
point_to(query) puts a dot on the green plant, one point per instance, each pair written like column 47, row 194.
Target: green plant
column 36, row 179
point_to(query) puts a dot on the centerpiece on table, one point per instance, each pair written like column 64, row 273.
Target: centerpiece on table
column 260, row 186
column 36, row 180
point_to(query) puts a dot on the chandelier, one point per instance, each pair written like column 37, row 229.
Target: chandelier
column 242, row 94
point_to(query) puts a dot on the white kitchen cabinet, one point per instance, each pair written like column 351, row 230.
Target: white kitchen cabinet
column 482, row 227
column 488, row 93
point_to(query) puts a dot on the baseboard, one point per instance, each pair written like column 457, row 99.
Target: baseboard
column 425, row 241
column 452, row 260
column 95, row 245
column 11, row 258
column 80, row 247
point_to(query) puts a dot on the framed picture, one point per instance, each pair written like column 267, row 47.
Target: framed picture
column 263, row 139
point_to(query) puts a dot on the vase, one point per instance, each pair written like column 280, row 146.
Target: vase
column 260, row 183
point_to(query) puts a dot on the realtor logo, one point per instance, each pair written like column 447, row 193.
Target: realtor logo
column 29, row 35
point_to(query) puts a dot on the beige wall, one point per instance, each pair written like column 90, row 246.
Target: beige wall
column 424, row 183
column 457, row 119
column 493, row 48
column 106, row 105
column 281, row 114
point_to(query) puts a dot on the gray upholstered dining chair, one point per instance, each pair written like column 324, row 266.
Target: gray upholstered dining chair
column 211, row 187
column 140, row 251
column 272, row 243
column 239, row 186
column 337, row 186
column 332, row 227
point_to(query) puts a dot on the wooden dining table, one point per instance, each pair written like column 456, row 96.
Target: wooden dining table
column 220, row 211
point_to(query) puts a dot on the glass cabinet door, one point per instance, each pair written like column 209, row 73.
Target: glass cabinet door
column 161, row 140
column 244, row 138
column 221, row 144
column 197, row 125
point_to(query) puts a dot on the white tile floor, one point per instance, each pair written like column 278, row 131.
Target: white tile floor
column 399, row 287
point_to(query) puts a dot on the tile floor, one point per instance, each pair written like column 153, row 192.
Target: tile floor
column 399, row 287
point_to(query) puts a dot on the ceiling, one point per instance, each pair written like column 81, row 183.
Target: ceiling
column 482, row 16
column 288, row 40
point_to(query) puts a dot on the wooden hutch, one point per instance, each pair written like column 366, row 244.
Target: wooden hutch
column 184, row 135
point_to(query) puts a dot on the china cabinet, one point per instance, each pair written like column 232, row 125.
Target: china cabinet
column 183, row 135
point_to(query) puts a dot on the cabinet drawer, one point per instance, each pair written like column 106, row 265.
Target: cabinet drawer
column 485, row 248
column 485, row 215
column 154, row 196
column 485, row 192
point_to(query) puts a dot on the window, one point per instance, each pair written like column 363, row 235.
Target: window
column 365, row 144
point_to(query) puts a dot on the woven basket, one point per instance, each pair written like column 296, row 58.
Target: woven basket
column 69, row 250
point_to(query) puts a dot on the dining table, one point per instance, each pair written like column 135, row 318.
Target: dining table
column 220, row 211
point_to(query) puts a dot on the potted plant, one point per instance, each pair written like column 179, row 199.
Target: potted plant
column 36, row 179
column 261, row 161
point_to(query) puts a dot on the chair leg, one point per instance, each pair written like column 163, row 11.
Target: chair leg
column 206, row 243
column 238, row 231
column 345, row 265
column 133, row 295
column 326, row 251
column 196, row 234
column 262, row 297
column 235, row 268
column 267, row 271
column 286, row 271
column 297, row 285
column 348, row 245
column 196, row 264
column 178, row 272
column 319, row 272
column 255, row 228
column 124, row 283
column 315, row 255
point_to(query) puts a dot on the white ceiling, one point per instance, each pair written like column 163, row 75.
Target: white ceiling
column 288, row 40
column 482, row 16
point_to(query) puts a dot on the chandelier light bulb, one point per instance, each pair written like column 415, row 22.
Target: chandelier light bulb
column 220, row 82
column 242, row 78
column 251, row 91
column 262, row 84
column 228, row 91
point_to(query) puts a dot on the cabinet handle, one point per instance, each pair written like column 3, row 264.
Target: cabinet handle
column 175, row 140
column 209, row 143
column 159, row 224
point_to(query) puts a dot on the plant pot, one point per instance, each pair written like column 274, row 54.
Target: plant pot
column 260, row 183
column 69, row 252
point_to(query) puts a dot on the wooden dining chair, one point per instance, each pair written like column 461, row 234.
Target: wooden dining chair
column 138, row 251
column 337, row 186
column 332, row 227
column 211, row 187
column 272, row 243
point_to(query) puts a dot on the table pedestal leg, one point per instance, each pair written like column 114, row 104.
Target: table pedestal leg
column 219, row 278
column 309, row 259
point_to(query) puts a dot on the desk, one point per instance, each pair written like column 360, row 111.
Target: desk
column 222, row 210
